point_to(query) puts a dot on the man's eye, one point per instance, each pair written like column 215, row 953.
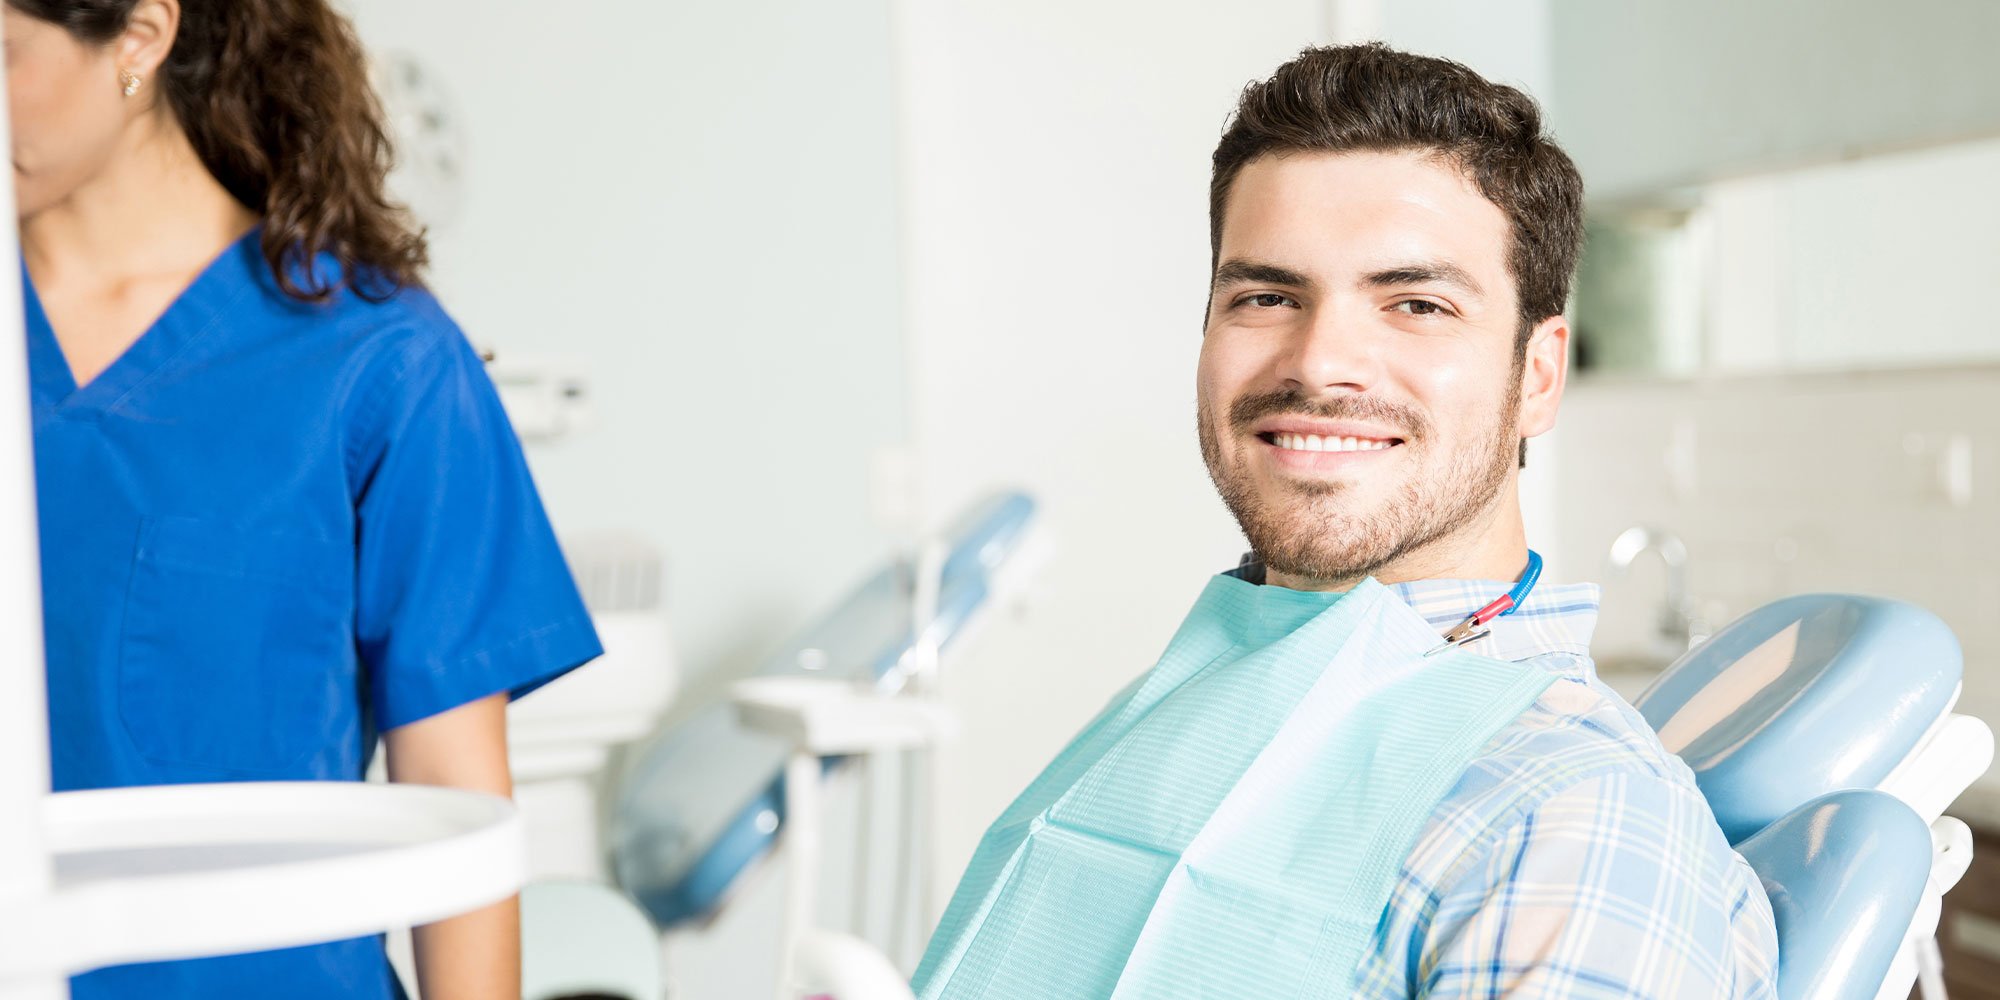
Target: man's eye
column 1267, row 300
column 1420, row 307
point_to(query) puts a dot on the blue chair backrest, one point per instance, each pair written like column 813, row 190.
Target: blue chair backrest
column 705, row 798
column 1789, row 718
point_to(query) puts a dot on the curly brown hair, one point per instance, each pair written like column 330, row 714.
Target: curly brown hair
column 275, row 97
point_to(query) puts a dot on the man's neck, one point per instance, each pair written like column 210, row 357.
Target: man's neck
column 1490, row 546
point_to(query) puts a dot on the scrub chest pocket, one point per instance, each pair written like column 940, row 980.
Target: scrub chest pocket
column 237, row 650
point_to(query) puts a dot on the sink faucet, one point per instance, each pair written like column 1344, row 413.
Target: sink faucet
column 1676, row 626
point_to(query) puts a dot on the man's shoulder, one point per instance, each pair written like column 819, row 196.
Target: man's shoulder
column 1577, row 731
column 1580, row 767
column 1571, row 834
column 1577, row 726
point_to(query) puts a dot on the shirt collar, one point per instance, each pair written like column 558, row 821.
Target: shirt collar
column 1555, row 618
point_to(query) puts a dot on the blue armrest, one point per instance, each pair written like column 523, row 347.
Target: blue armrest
column 1845, row 873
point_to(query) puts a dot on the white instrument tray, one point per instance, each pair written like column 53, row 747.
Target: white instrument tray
column 184, row 871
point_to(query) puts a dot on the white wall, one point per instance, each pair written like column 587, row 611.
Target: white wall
column 1657, row 95
column 696, row 203
column 1506, row 41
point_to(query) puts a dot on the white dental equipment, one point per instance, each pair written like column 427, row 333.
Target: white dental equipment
column 703, row 801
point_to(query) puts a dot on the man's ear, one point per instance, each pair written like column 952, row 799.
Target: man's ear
column 1544, row 371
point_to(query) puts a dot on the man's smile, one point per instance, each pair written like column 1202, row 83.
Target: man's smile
column 1311, row 445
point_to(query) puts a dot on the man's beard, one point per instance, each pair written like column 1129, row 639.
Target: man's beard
column 1310, row 530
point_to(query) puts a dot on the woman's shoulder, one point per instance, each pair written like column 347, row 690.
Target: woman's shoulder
column 381, row 349
column 407, row 372
column 406, row 322
column 369, row 345
column 370, row 330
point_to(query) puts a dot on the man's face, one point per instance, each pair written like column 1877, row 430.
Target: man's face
column 1360, row 392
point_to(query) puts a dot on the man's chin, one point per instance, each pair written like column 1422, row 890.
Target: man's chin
column 1316, row 570
column 1337, row 549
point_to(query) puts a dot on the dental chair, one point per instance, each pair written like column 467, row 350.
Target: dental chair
column 705, row 799
column 1820, row 729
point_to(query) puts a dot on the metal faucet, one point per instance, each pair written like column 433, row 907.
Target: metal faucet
column 1675, row 625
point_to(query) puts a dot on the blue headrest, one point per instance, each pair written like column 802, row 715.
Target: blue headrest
column 1845, row 873
column 1802, row 697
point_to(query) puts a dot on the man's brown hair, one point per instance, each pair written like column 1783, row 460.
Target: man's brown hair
column 1372, row 98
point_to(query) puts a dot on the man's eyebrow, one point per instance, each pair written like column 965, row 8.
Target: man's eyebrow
column 1423, row 273
column 1237, row 271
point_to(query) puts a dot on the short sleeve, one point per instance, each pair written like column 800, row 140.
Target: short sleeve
column 1619, row 886
column 461, row 589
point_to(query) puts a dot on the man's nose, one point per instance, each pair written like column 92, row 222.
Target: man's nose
column 1332, row 351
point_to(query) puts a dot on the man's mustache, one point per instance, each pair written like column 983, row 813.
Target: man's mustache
column 1246, row 411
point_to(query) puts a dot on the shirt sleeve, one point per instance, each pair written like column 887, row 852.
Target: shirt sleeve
column 1619, row 886
column 461, row 589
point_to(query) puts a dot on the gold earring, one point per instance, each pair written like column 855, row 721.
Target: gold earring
column 129, row 82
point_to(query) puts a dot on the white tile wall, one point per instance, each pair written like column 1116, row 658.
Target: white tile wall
column 1819, row 482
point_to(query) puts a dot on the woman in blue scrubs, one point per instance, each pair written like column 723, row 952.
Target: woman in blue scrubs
column 281, row 509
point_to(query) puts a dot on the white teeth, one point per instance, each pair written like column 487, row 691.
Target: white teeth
column 1313, row 442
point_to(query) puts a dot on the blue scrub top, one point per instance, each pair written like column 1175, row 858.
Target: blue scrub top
column 271, row 530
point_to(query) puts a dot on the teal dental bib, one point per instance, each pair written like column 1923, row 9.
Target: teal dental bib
column 1232, row 824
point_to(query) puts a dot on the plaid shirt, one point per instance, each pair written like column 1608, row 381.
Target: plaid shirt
column 1575, row 857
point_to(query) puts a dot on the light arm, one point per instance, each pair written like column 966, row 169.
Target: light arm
column 477, row 955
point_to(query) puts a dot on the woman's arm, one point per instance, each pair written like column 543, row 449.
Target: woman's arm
column 478, row 954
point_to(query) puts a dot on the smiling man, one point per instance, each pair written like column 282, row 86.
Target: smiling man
column 1374, row 761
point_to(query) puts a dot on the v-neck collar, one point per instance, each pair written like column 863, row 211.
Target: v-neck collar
column 198, row 311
